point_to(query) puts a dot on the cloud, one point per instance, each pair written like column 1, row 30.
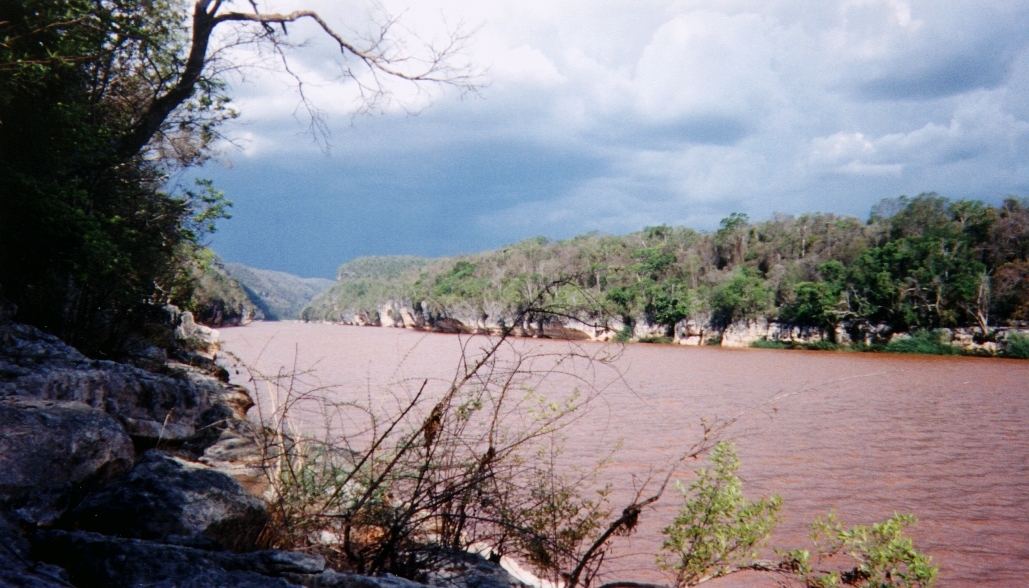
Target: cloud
column 620, row 114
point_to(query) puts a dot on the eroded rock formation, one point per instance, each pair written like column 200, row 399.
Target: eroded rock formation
column 116, row 476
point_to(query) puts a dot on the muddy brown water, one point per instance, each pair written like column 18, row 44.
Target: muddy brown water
column 944, row 438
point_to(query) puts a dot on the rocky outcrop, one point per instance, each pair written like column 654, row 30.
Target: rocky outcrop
column 93, row 560
column 164, row 496
column 693, row 331
column 75, row 510
column 152, row 407
column 52, row 452
column 17, row 565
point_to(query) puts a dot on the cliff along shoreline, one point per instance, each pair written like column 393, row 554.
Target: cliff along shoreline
column 112, row 475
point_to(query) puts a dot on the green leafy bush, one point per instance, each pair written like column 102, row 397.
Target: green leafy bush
column 1017, row 346
column 660, row 340
column 717, row 527
column 770, row 344
column 924, row 343
column 884, row 556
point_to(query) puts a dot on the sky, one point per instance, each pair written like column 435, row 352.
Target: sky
column 612, row 115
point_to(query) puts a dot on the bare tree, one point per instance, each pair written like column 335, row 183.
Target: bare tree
column 389, row 52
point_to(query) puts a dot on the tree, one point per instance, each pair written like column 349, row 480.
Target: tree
column 100, row 102
column 717, row 527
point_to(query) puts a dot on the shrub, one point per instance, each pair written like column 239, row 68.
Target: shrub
column 923, row 342
column 822, row 345
column 658, row 339
column 767, row 344
column 884, row 556
column 465, row 465
column 717, row 527
column 1017, row 346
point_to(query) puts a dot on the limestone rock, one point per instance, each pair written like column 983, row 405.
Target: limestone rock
column 470, row 570
column 164, row 496
column 151, row 406
column 333, row 579
column 16, row 565
column 97, row 561
column 51, row 451
column 190, row 330
column 239, row 453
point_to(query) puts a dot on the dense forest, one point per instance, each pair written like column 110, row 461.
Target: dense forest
column 922, row 262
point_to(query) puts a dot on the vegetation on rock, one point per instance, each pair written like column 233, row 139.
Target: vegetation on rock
column 919, row 263
column 277, row 295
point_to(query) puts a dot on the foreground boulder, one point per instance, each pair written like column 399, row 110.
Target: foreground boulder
column 51, row 452
column 168, row 497
column 16, row 565
column 152, row 407
column 97, row 561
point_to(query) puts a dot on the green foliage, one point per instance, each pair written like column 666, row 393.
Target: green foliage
column 213, row 296
column 91, row 244
column 459, row 282
column 624, row 335
column 814, row 305
column 279, row 296
column 924, row 342
column 745, row 296
column 717, row 527
column 668, row 302
column 659, row 340
column 1017, row 346
column 885, row 557
column 766, row 344
column 919, row 263
column 364, row 284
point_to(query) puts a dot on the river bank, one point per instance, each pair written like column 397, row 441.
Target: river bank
column 1003, row 341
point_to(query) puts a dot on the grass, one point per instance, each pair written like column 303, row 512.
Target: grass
column 922, row 343
column 814, row 346
column 662, row 340
column 1017, row 347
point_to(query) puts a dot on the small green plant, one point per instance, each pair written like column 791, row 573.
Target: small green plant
column 884, row 556
column 1017, row 346
column 658, row 339
column 822, row 345
column 625, row 335
column 770, row 344
column 717, row 528
column 923, row 343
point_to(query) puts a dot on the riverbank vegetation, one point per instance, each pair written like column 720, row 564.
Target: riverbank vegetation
column 916, row 265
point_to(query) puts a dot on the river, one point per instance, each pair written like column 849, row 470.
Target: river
column 944, row 438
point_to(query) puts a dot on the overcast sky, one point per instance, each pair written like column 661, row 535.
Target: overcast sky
column 614, row 115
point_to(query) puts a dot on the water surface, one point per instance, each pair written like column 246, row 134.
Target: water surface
column 945, row 438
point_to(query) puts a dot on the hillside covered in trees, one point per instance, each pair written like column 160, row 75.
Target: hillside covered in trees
column 917, row 263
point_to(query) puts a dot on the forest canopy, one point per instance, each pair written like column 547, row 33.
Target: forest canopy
column 920, row 262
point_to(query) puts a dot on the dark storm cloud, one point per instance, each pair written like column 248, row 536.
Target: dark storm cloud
column 597, row 119
column 309, row 219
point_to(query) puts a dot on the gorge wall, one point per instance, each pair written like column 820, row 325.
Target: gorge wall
column 691, row 332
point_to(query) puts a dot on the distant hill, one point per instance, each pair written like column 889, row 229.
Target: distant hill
column 364, row 283
column 279, row 296
column 218, row 300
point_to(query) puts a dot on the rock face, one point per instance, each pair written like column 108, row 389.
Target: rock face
column 93, row 560
column 75, row 512
column 164, row 496
column 17, row 567
column 152, row 407
column 51, row 451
